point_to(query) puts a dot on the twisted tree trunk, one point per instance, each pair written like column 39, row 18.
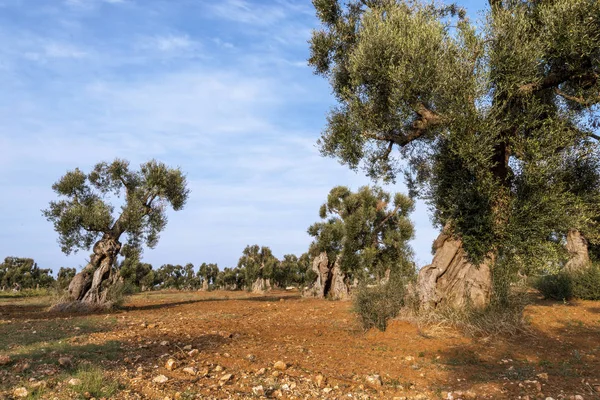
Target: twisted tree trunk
column 577, row 247
column 451, row 280
column 88, row 286
column 331, row 281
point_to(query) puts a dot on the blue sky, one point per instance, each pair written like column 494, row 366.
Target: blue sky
column 218, row 88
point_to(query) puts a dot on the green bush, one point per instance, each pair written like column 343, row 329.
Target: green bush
column 555, row 287
column 117, row 292
column 584, row 285
column 375, row 306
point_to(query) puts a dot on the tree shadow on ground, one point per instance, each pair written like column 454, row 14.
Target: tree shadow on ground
column 21, row 334
column 167, row 304
column 559, row 357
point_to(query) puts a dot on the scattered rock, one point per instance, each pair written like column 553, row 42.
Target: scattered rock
column 74, row 382
column 22, row 367
column 38, row 384
column 251, row 357
column 261, row 371
column 20, row 392
column 164, row 343
column 409, row 358
column 171, row 364
column 190, row 370
column 374, row 380
column 218, row 368
column 319, row 380
column 193, row 352
column 143, row 325
column 160, row 379
column 65, row 362
column 187, row 347
column 276, row 373
column 4, row 359
column 280, row 365
column 225, row 378
column 327, row 390
column 258, row 390
column 543, row 376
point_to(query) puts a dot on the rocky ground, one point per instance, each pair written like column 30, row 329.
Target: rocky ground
column 233, row 345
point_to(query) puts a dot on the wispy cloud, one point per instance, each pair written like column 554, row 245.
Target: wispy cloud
column 224, row 94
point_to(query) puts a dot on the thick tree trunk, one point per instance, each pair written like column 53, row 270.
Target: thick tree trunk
column 451, row 280
column 261, row 285
column 331, row 281
column 577, row 247
column 91, row 284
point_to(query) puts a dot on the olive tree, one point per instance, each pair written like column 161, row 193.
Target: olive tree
column 484, row 123
column 84, row 217
column 258, row 264
column 363, row 237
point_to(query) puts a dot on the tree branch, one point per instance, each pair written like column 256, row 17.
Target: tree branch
column 427, row 120
column 556, row 79
column 579, row 100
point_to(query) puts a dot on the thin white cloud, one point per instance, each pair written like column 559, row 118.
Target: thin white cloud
column 239, row 116
column 170, row 43
column 248, row 13
column 62, row 50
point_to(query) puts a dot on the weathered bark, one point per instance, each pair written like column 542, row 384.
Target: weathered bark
column 331, row 281
column 205, row 285
column 577, row 247
column 87, row 286
column 451, row 280
column 261, row 285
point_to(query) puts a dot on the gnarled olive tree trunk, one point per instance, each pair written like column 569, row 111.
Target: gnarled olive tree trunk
column 261, row 285
column 92, row 283
column 331, row 281
column 577, row 246
column 451, row 280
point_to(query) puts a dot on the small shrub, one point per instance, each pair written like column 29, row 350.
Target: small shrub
column 117, row 292
column 502, row 317
column 376, row 305
column 555, row 287
column 584, row 284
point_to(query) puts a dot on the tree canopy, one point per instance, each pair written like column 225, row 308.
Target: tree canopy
column 86, row 213
column 493, row 125
column 367, row 231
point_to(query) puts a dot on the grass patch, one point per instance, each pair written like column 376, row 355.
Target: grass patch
column 94, row 383
column 22, row 334
column 9, row 294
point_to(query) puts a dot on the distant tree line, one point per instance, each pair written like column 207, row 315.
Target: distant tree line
column 256, row 264
column 18, row 273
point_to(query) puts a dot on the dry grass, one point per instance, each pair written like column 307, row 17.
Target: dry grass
column 505, row 319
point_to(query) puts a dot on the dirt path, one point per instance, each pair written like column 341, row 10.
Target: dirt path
column 323, row 352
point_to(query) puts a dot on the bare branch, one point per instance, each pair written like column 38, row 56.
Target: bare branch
column 579, row 100
column 556, row 79
column 428, row 119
